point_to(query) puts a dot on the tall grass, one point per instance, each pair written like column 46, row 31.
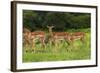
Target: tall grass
column 78, row 50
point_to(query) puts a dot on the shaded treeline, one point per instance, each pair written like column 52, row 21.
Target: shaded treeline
column 38, row 20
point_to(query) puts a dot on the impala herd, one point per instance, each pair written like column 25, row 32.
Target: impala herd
column 29, row 37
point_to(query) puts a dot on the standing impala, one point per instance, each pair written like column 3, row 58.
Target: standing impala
column 55, row 37
column 26, row 37
column 29, row 38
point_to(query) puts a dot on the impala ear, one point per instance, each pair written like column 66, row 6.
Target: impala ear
column 50, row 26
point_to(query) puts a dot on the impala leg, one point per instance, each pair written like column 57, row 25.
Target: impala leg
column 27, row 44
column 43, row 43
column 52, row 42
column 33, row 47
column 82, row 39
column 70, row 44
column 56, row 45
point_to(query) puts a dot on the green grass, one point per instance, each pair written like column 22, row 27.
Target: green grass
column 76, row 51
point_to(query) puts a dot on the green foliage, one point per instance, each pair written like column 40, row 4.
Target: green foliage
column 38, row 20
column 81, row 21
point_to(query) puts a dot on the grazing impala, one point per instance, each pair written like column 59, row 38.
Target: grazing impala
column 77, row 35
column 59, row 36
column 38, row 35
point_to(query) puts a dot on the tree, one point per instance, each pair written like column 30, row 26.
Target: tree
column 38, row 20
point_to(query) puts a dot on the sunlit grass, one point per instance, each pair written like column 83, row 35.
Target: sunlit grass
column 78, row 50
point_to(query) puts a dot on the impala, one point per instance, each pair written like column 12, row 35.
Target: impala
column 38, row 35
column 26, row 37
column 68, row 37
column 29, row 38
column 55, row 37
column 77, row 35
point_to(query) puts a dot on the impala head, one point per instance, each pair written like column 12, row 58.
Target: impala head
column 26, row 30
column 50, row 27
column 50, row 30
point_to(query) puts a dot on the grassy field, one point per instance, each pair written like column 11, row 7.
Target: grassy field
column 77, row 51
